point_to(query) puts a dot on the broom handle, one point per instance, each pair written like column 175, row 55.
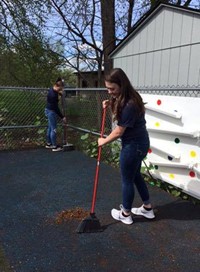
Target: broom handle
column 63, row 103
column 97, row 165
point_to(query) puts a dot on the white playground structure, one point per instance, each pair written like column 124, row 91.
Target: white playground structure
column 174, row 129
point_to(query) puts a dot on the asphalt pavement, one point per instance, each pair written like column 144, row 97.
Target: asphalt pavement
column 36, row 186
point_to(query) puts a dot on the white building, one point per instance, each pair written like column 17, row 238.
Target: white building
column 163, row 48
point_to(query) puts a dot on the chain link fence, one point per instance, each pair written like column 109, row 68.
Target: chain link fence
column 23, row 123
column 172, row 91
column 22, row 118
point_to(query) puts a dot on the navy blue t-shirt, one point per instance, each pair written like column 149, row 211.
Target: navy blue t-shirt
column 52, row 102
column 135, row 125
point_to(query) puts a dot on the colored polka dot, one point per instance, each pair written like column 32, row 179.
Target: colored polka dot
column 193, row 154
column 159, row 102
column 177, row 140
column 157, row 124
column 171, row 176
column 150, row 151
column 192, row 174
column 170, row 158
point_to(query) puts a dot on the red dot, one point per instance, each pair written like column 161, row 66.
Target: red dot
column 150, row 150
column 159, row 102
column 192, row 174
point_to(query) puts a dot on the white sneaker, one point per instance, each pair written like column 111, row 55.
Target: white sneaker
column 142, row 211
column 117, row 215
column 49, row 146
column 57, row 148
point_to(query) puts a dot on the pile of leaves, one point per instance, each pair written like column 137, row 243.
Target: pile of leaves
column 76, row 213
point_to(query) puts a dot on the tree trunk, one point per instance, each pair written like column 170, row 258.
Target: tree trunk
column 108, row 31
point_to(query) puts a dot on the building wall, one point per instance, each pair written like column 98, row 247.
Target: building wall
column 163, row 52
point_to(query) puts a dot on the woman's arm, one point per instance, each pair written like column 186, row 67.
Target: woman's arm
column 115, row 134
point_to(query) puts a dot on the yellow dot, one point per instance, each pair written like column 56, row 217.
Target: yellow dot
column 171, row 176
column 157, row 124
column 193, row 153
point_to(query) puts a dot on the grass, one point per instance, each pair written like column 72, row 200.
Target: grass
column 21, row 107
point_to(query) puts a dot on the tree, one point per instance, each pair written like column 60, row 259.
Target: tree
column 31, row 63
column 88, row 29
column 26, row 55
column 81, row 33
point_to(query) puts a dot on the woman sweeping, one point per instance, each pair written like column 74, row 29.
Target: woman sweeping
column 129, row 112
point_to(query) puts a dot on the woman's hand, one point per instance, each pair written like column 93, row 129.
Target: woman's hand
column 101, row 141
column 64, row 120
column 114, row 135
column 105, row 104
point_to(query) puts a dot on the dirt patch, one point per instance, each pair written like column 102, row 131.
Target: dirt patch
column 76, row 213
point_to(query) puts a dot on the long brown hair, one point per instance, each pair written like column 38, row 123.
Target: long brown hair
column 127, row 94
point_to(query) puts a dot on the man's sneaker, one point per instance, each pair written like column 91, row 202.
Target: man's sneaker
column 49, row 146
column 57, row 148
column 117, row 215
column 142, row 211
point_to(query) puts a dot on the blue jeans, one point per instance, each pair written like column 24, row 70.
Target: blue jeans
column 52, row 125
column 131, row 158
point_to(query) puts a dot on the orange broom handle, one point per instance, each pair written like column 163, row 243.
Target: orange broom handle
column 98, row 164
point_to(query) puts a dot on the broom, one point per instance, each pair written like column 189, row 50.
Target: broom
column 91, row 223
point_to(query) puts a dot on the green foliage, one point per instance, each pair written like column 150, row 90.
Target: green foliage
column 89, row 145
column 22, row 108
column 26, row 57
column 80, row 107
column 14, row 103
column 40, row 131
column 33, row 64
column 110, row 151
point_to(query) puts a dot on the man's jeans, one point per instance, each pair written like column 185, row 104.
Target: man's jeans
column 52, row 125
column 131, row 158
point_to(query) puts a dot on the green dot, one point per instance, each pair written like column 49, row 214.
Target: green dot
column 156, row 167
column 177, row 140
